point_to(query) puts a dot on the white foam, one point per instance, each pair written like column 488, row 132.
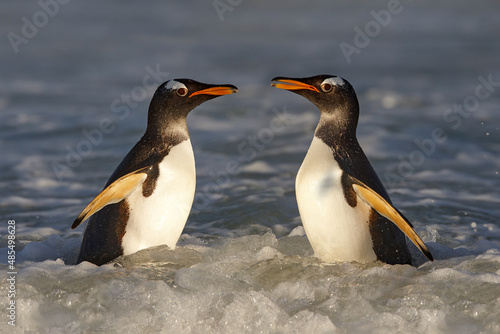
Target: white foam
column 216, row 281
column 255, row 282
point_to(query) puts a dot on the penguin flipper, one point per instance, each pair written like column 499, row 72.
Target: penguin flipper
column 114, row 193
column 379, row 204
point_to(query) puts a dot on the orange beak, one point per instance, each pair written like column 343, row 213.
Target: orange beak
column 217, row 90
column 290, row 84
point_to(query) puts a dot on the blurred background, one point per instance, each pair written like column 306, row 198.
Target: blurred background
column 77, row 78
column 68, row 66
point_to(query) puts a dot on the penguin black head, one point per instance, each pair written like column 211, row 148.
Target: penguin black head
column 174, row 99
column 333, row 95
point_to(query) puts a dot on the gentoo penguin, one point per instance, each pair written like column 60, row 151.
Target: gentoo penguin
column 346, row 211
column 147, row 199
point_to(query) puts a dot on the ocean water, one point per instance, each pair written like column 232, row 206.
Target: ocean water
column 77, row 78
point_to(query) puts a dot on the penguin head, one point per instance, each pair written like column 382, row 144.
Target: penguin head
column 333, row 95
column 174, row 99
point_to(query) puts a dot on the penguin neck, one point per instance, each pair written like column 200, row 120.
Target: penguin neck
column 336, row 132
column 347, row 151
column 170, row 133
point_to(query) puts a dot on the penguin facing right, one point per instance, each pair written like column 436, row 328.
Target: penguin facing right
column 147, row 199
column 345, row 210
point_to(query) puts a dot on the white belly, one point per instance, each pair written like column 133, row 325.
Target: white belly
column 160, row 218
column 336, row 231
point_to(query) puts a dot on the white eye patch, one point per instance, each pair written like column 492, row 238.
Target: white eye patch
column 334, row 81
column 174, row 85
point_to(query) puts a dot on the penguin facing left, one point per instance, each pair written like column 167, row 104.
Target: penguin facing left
column 346, row 211
column 147, row 199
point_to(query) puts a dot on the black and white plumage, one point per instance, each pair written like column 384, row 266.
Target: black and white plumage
column 346, row 211
column 147, row 199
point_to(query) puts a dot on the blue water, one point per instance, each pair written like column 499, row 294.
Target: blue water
column 429, row 124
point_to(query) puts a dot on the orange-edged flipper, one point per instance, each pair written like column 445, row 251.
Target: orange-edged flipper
column 114, row 193
column 379, row 204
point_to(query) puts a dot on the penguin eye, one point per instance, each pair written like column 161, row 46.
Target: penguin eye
column 326, row 87
column 182, row 91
